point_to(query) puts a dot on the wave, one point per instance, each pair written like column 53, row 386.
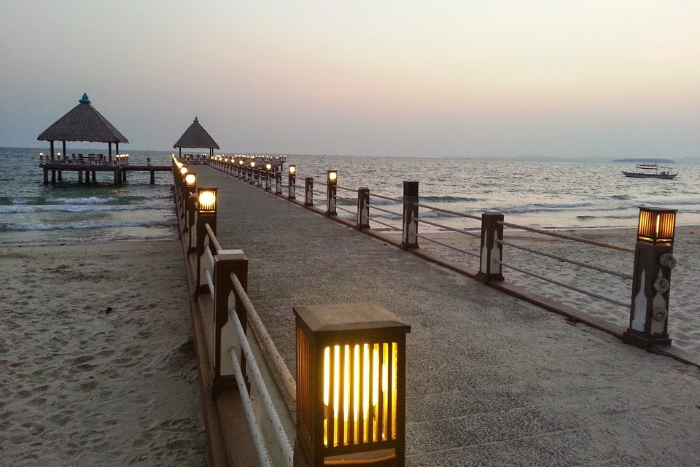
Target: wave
column 449, row 199
column 28, row 209
column 83, row 226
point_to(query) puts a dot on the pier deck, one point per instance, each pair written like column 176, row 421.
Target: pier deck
column 491, row 380
column 56, row 167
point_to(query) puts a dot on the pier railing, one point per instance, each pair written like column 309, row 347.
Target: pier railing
column 386, row 216
column 236, row 358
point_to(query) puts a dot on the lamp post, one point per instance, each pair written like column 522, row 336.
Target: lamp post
column 292, row 182
column 351, row 378
column 189, row 202
column 206, row 214
column 651, row 283
column 331, row 192
column 268, row 170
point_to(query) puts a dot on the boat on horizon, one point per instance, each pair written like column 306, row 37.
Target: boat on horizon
column 646, row 170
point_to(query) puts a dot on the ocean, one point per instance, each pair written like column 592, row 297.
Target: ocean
column 563, row 195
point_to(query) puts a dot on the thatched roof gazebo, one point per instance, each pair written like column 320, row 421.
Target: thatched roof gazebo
column 195, row 136
column 83, row 123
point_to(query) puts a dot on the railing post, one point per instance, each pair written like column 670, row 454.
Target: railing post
column 227, row 262
column 309, row 191
column 331, row 192
column 651, row 282
column 260, row 176
column 206, row 214
column 490, row 268
column 278, row 183
column 362, row 208
column 410, row 215
column 192, row 202
column 291, row 192
column 268, row 182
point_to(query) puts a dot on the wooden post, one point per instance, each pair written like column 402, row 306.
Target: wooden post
column 309, row 192
column 362, row 208
column 410, row 215
column 227, row 262
column 490, row 268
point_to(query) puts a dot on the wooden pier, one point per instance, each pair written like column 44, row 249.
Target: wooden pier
column 87, row 172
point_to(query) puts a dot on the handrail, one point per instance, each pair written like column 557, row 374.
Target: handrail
column 266, row 341
column 446, row 227
column 256, row 432
column 447, row 211
column 278, row 429
column 568, row 237
column 398, row 200
column 561, row 258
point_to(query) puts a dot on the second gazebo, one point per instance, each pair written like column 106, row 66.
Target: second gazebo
column 195, row 136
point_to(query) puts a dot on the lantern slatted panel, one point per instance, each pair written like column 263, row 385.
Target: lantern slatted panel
column 359, row 394
column 656, row 225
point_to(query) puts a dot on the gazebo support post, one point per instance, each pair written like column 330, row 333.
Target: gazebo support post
column 51, row 150
column 109, row 150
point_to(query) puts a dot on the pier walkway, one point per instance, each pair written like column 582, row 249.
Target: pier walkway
column 491, row 380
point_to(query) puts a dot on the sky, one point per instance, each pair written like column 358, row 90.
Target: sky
column 436, row 78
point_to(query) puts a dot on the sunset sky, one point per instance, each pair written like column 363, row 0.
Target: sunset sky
column 395, row 78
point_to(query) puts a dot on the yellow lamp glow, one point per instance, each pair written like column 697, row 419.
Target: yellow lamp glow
column 252, row 164
column 292, row 169
column 656, row 225
column 332, row 176
column 190, row 179
column 183, row 170
column 207, row 200
column 268, row 167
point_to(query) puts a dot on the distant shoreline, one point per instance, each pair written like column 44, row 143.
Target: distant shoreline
column 652, row 161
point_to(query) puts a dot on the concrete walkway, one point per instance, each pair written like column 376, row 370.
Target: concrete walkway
column 491, row 380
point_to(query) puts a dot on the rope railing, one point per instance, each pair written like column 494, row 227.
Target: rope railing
column 562, row 284
column 452, row 247
column 388, row 211
column 266, row 341
column 571, row 261
column 565, row 260
column 345, row 210
column 392, row 227
column 398, row 200
column 212, row 238
column 256, row 432
column 451, row 229
column 568, row 237
column 447, row 211
column 266, row 400
column 346, row 189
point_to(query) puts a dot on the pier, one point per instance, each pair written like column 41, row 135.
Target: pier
column 490, row 378
column 86, row 170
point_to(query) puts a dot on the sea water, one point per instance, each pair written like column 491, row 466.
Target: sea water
column 34, row 213
column 564, row 195
column 561, row 195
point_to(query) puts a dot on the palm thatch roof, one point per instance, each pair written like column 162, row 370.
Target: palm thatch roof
column 195, row 136
column 83, row 123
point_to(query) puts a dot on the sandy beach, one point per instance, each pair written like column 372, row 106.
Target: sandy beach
column 96, row 357
column 684, row 315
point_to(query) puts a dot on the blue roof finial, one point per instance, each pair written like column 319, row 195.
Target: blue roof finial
column 85, row 99
column 196, row 120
